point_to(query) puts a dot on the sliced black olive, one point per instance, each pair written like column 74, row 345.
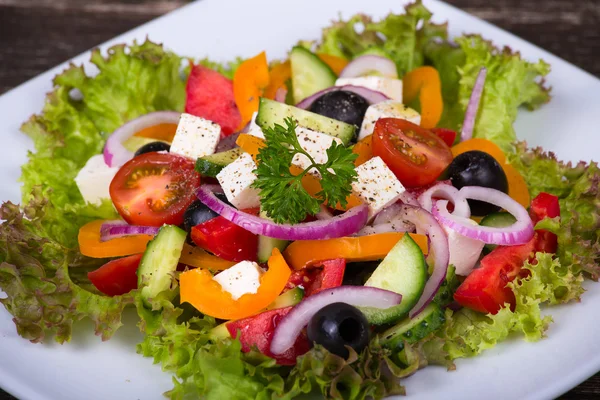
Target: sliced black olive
column 153, row 147
column 198, row 213
column 342, row 105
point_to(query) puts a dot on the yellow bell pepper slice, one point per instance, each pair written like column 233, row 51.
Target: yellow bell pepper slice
column 425, row 83
column 249, row 81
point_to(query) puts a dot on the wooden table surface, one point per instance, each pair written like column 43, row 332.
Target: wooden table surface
column 35, row 35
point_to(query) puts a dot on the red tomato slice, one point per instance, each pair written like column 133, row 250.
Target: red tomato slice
column 154, row 189
column 545, row 205
column 413, row 153
column 313, row 280
column 118, row 276
column 226, row 240
column 447, row 135
column 257, row 331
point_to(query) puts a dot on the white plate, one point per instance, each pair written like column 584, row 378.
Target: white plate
column 89, row 369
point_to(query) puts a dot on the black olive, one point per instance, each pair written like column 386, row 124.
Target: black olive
column 476, row 168
column 153, row 147
column 342, row 105
column 338, row 325
column 358, row 273
column 198, row 213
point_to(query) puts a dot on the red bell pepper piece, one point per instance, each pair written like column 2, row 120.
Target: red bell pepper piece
column 447, row 135
column 118, row 276
column 226, row 240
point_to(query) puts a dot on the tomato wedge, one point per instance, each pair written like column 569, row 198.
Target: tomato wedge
column 415, row 155
column 314, row 280
column 118, row 276
column 154, row 189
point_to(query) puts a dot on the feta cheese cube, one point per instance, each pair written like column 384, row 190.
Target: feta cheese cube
column 316, row 144
column 242, row 278
column 386, row 109
column 94, row 179
column 195, row 137
column 254, row 129
column 464, row 251
column 391, row 87
column 377, row 185
column 236, row 178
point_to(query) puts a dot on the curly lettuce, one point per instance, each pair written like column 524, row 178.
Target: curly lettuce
column 400, row 36
column 511, row 83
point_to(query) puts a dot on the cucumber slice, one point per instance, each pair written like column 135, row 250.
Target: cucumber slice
column 412, row 330
column 267, row 244
column 403, row 271
column 219, row 332
column 309, row 73
column 135, row 142
column 160, row 260
column 497, row 220
column 289, row 298
column 213, row 164
column 272, row 112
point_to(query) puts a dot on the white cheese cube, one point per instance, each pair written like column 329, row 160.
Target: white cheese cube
column 94, row 180
column 316, row 144
column 254, row 129
column 236, row 180
column 242, row 278
column 464, row 251
column 386, row 109
column 391, row 87
column 377, row 185
column 195, row 137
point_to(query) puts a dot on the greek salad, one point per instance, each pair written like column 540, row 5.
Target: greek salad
column 327, row 223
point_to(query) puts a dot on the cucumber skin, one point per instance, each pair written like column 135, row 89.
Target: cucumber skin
column 311, row 64
column 213, row 164
column 148, row 268
column 413, row 330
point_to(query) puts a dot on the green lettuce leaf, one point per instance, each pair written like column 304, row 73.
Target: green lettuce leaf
column 468, row 333
column 511, row 83
column 226, row 69
column 578, row 189
column 42, row 272
column 401, row 36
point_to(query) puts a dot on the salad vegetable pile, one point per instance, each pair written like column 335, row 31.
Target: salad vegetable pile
column 328, row 223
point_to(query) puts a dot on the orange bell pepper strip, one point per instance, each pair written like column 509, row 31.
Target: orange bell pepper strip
column 249, row 81
column 252, row 144
column 165, row 132
column 337, row 64
column 278, row 75
column 91, row 246
column 200, row 290
column 305, row 253
column 425, row 83
column 196, row 257
column 517, row 187
column 364, row 151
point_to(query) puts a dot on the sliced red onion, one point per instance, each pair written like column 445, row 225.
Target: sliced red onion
column 116, row 229
column 394, row 226
column 408, row 198
column 324, row 214
column 471, row 113
column 115, row 154
column 438, row 256
column 281, row 94
column 372, row 96
column 448, row 192
column 292, row 324
column 518, row 233
column 362, row 65
column 342, row 225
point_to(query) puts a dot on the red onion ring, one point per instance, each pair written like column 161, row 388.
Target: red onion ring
column 394, row 226
column 115, row 154
column 324, row 214
column 116, row 229
column 362, row 65
column 371, row 96
column 448, row 192
column 518, row 233
column 438, row 256
column 339, row 226
column 473, row 105
column 292, row 324
column 281, row 94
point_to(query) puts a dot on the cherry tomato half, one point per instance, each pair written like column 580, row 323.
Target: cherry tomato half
column 154, row 189
column 415, row 155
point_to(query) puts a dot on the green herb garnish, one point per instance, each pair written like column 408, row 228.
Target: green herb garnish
column 283, row 197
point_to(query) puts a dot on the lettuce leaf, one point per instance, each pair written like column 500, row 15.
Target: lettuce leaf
column 401, row 36
column 511, row 83
column 578, row 189
column 468, row 333
column 41, row 270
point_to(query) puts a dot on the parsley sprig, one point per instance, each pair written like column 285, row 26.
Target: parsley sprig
column 283, row 197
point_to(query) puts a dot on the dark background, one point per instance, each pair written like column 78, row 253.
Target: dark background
column 36, row 35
